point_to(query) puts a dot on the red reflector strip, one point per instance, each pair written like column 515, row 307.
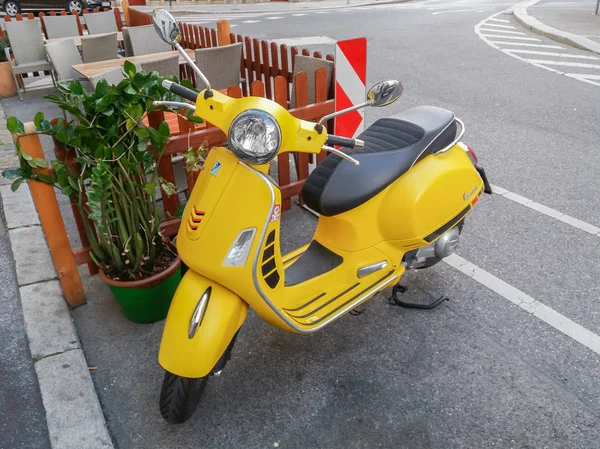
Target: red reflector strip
column 474, row 202
column 198, row 212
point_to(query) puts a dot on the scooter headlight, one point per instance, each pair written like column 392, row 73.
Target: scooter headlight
column 254, row 136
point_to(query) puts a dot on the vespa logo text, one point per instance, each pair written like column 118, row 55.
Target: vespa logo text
column 467, row 195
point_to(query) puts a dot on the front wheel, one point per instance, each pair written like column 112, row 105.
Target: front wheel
column 75, row 7
column 180, row 396
column 12, row 8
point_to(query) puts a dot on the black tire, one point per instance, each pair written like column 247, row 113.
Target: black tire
column 12, row 8
column 180, row 396
column 75, row 6
column 434, row 260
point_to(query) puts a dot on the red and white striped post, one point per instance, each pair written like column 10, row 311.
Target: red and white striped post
column 350, row 85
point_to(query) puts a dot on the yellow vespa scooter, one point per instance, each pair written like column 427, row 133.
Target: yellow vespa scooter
column 396, row 203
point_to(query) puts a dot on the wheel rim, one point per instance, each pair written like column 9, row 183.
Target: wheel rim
column 11, row 9
column 75, row 6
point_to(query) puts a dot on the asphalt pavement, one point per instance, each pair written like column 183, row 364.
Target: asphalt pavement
column 484, row 370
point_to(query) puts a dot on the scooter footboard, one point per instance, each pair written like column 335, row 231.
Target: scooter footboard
column 224, row 314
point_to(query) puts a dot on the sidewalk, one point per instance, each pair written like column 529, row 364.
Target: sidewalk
column 573, row 23
column 265, row 7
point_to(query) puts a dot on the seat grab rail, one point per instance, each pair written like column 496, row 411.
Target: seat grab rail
column 456, row 139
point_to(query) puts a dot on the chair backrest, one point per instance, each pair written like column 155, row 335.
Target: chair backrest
column 101, row 22
column 61, row 26
column 144, row 41
column 99, row 47
column 26, row 41
column 127, row 42
column 309, row 65
column 63, row 55
column 221, row 65
column 112, row 76
column 167, row 66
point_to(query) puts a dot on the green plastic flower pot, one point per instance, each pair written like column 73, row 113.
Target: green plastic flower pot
column 147, row 300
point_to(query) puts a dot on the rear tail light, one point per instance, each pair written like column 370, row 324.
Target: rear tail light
column 470, row 152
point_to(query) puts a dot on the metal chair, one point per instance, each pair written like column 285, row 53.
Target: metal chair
column 101, row 22
column 27, row 45
column 143, row 40
column 309, row 65
column 60, row 26
column 221, row 65
column 63, row 55
column 167, row 66
column 99, row 47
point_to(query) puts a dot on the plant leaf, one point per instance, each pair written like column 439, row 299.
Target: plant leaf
column 164, row 130
column 16, row 184
column 129, row 69
column 37, row 120
column 15, row 126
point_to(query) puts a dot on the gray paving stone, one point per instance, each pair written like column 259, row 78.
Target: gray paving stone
column 32, row 256
column 19, row 209
column 74, row 416
column 50, row 329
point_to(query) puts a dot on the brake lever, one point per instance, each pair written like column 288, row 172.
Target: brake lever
column 341, row 154
column 175, row 105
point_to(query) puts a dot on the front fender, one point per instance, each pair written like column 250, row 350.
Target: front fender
column 225, row 313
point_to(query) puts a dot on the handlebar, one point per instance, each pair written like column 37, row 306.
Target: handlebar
column 180, row 90
column 344, row 142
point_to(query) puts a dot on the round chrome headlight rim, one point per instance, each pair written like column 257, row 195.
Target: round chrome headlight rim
column 244, row 154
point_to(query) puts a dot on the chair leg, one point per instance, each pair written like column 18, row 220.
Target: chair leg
column 17, row 84
column 53, row 77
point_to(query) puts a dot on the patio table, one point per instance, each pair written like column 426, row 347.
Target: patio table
column 77, row 39
column 93, row 68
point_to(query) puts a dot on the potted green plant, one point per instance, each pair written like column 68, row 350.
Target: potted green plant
column 8, row 87
column 111, row 170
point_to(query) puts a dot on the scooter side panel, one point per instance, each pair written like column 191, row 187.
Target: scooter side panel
column 433, row 192
column 225, row 313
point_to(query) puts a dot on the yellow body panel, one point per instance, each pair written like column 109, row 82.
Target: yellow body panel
column 224, row 315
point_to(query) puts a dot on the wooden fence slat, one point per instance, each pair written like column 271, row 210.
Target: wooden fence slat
column 266, row 68
column 223, row 31
column 294, row 52
column 317, row 54
column 321, row 94
column 256, row 59
column 207, row 36
column 213, row 37
column 305, row 52
column 243, row 66
column 53, row 225
column 202, row 37
column 63, row 13
column 118, row 19
column 234, row 92
column 330, row 57
column 41, row 16
column 301, row 92
column 257, row 89
column 280, row 85
column 248, row 60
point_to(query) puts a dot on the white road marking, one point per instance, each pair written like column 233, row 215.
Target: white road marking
column 564, row 63
column 548, row 211
column 493, row 19
column 524, row 45
column 321, row 12
column 456, row 10
column 531, row 305
column 298, row 15
column 501, row 31
column 250, row 21
column 585, row 78
column 550, row 53
column 274, row 18
column 509, row 27
column 513, row 37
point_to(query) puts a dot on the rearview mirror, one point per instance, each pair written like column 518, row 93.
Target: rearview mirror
column 384, row 93
column 166, row 26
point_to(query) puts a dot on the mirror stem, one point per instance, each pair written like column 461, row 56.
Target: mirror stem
column 343, row 111
column 192, row 64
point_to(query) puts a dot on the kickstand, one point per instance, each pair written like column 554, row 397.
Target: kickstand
column 400, row 289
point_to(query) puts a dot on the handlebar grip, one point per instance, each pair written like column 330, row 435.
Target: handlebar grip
column 180, row 90
column 340, row 141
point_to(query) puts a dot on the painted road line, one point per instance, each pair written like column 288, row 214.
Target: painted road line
column 553, row 54
column 250, row 21
column 531, row 305
column 502, row 31
column 548, row 211
column 321, row 12
column 274, row 18
column 493, row 19
column 509, row 27
column 531, row 39
column 564, row 63
column 585, row 78
column 525, row 45
column 298, row 15
column 457, row 10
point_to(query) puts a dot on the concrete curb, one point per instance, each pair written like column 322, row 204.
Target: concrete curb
column 533, row 24
column 73, row 413
column 177, row 12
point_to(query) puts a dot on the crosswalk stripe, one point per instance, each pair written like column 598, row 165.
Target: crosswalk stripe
column 502, row 31
column 533, row 39
column 274, row 18
column 499, row 20
column 564, row 63
column 251, row 21
column 526, row 45
column 550, row 53
column 298, row 15
column 510, row 27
